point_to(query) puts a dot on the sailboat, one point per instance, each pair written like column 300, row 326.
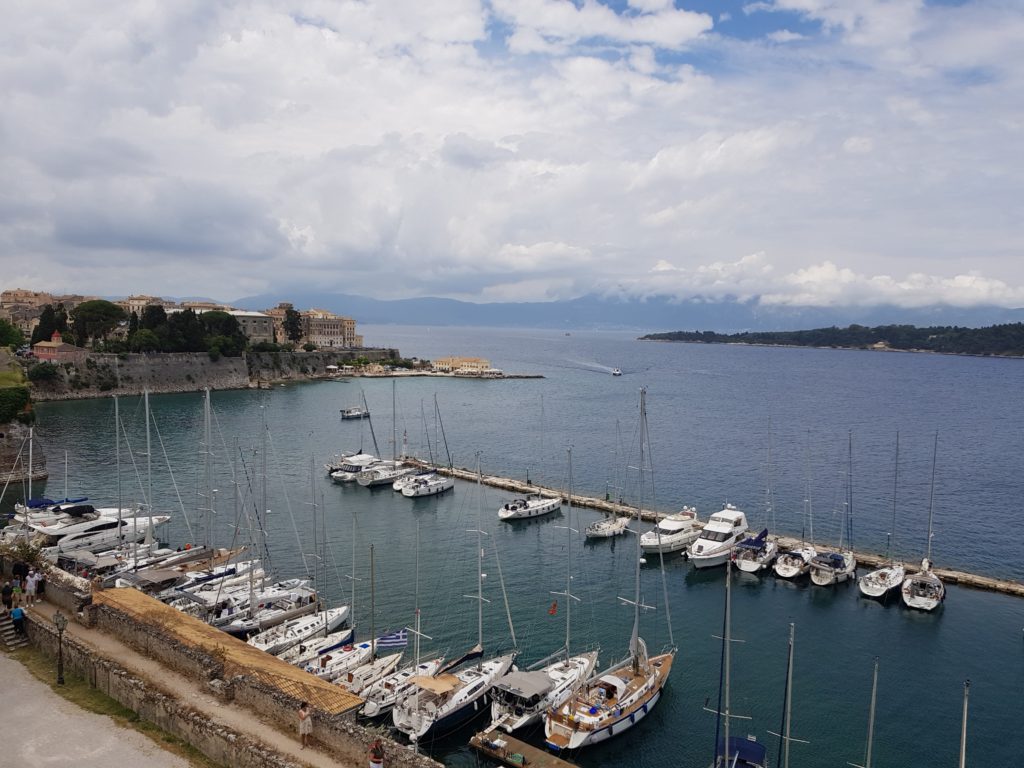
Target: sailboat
column 828, row 568
column 793, row 563
column 757, row 553
column 381, row 696
column 441, row 703
column 924, row 590
column 881, row 581
column 433, row 483
column 520, row 698
column 733, row 751
column 622, row 695
column 387, row 472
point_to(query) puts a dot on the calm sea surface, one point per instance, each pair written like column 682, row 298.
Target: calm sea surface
column 709, row 409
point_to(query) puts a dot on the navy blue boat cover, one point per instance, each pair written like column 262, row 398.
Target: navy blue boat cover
column 756, row 542
column 752, row 754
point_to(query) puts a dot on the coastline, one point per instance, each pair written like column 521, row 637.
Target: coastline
column 832, row 346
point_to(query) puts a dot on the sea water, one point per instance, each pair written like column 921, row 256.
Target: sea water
column 712, row 410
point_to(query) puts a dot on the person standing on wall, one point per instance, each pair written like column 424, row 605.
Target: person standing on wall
column 305, row 723
column 376, row 754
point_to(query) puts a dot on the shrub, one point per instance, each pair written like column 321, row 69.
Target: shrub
column 13, row 401
column 43, row 372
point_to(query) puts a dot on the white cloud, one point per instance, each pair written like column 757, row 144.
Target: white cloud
column 512, row 149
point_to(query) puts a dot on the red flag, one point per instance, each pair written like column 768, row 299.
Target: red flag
column 553, row 609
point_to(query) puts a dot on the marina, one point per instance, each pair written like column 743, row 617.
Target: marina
column 529, row 554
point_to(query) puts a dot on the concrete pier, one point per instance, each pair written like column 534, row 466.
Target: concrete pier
column 865, row 560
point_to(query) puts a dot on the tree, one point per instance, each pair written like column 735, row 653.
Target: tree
column 46, row 326
column 184, row 333
column 133, row 323
column 292, row 325
column 145, row 340
column 153, row 316
column 10, row 335
column 95, row 319
column 224, row 332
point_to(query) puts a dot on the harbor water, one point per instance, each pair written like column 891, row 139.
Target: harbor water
column 711, row 409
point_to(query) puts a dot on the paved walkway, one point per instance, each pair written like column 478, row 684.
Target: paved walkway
column 232, row 716
column 39, row 729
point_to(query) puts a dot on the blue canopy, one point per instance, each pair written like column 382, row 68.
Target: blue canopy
column 751, row 754
column 37, row 503
column 831, row 559
column 755, row 542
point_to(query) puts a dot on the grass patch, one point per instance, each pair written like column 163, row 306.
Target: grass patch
column 79, row 692
column 11, row 378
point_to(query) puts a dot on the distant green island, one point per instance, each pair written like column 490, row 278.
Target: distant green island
column 999, row 340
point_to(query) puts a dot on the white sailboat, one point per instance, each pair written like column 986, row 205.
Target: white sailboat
column 622, row 695
column 521, row 698
column 757, row 553
column 924, row 590
column 796, row 562
column 292, row 632
column 433, row 483
column 528, row 506
column 441, row 703
column 828, row 568
column 881, row 581
column 608, row 527
column 733, row 751
column 380, row 697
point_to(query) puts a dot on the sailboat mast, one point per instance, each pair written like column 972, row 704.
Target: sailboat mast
column 871, row 716
column 373, row 639
column 479, row 556
column 394, row 423
column 65, row 475
column 149, row 472
column 849, row 489
column 789, row 696
column 416, row 634
column 634, row 644
column 895, row 485
column 931, row 500
column 963, row 726
column 568, row 563
column 209, row 469
column 728, row 651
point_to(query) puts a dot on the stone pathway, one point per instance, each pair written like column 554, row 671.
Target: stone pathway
column 39, row 729
column 284, row 741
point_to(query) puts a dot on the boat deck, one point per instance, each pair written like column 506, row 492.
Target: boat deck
column 508, row 750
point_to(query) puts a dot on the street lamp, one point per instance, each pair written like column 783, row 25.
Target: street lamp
column 61, row 621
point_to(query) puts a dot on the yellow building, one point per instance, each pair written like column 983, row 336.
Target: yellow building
column 465, row 366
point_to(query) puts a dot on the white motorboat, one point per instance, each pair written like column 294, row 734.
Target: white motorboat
column 607, row 527
column 672, row 533
column 756, row 553
column 381, row 696
column 350, row 467
column 385, row 473
column 880, row 582
column 96, row 534
column 718, row 538
column 616, row 372
column 520, row 699
column 794, row 563
column 428, row 485
column 294, row 631
column 355, row 412
column 528, row 506
column 624, row 694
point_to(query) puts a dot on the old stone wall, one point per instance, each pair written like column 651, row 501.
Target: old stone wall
column 14, row 455
column 101, row 375
column 283, row 366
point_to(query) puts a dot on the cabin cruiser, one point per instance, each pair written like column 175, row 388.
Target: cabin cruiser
column 350, row 467
column 521, row 698
column 384, row 473
column 719, row 537
column 528, row 506
column 356, row 412
column 673, row 533
column 99, row 532
column 616, row 372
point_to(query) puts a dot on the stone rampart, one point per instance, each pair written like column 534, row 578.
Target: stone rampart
column 296, row 365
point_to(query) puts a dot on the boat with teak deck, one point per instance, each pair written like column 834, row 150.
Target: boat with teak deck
column 508, row 750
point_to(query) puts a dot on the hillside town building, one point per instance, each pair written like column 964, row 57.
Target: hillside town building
column 56, row 350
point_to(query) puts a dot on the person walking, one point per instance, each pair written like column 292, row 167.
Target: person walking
column 305, row 723
column 31, row 582
column 18, row 619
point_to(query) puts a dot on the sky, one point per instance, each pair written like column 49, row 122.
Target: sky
column 804, row 152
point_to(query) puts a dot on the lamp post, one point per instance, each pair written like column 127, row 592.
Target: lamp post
column 61, row 621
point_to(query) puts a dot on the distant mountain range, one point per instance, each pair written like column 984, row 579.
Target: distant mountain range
column 655, row 313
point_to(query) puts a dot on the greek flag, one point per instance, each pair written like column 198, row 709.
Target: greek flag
column 398, row 639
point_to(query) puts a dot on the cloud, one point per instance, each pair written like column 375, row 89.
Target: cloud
column 514, row 149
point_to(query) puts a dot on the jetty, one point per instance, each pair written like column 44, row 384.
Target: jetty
column 618, row 509
column 508, row 750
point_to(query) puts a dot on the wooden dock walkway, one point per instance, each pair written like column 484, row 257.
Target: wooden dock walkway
column 509, row 750
column 865, row 560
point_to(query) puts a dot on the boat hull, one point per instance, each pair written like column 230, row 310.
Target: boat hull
column 923, row 592
column 528, row 510
column 878, row 584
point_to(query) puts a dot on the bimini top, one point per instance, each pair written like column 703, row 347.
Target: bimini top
column 754, row 542
column 526, row 685
column 439, row 684
column 749, row 752
column 830, row 559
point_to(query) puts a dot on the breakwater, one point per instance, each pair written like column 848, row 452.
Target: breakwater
column 609, row 507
